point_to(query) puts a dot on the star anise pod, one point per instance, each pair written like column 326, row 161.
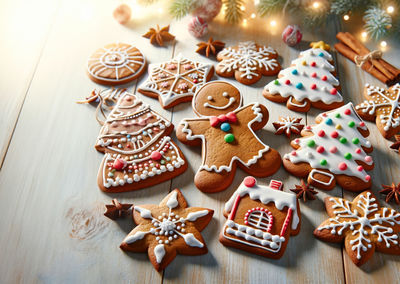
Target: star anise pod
column 211, row 46
column 396, row 145
column 158, row 36
column 304, row 191
column 117, row 210
column 391, row 192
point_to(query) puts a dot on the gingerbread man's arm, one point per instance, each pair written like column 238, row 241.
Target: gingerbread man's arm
column 255, row 112
column 191, row 131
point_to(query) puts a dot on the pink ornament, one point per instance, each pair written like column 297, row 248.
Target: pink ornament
column 197, row 27
column 249, row 181
column 291, row 35
column 122, row 14
column 207, row 9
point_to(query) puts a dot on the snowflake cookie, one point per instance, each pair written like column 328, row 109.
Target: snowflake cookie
column 382, row 106
column 247, row 62
column 288, row 125
column 167, row 229
column 363, row 225
column 175, row 81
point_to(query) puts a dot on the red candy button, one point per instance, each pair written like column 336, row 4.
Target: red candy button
column 342, row 166
column 313, row 86
column 249, row 181
column 313, row 64
column 334, row 134
column 314, row 75
column 320, row 149
column 119, row 164
column 362, row 124
column 347, row 111
column 333, row 91
column 360, row 168
column 333, row 149
column 321, row 133
column 287, row 82
column 324, row 78
column 156, row 156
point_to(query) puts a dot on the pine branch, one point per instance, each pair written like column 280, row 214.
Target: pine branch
column 233, row 14
column 180, row 8
column 268, row 7
column 377, row 22
column 341, row 7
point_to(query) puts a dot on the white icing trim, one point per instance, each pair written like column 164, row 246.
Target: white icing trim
column 193, row 216
column 315, row 171
column 144, row 213
column 231, row 101
column 296, row 105
column 173, row 200
column 139, row 235
column 159, row 252
column 191, row 241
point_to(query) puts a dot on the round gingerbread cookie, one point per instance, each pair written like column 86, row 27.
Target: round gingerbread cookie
column 116, row 63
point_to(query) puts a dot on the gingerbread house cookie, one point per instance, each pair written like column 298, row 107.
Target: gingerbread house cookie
column 260, row 218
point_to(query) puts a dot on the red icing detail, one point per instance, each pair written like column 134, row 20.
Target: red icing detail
column 271, row 218
column 287, row 221
column 156, row 156
column 231, row 116
column 342, row 166
column 297, row 140
column 314, row 75
column 313, row 86
column 334, row 134
column 222, row 117
column 333, row 149
column 287, row 82
column 347, row 111
column 324, row 114
column 275, row 184
column 294, row 153
column 249, row 181
column 321, row 133
column 368, row 159
column 119, row 164
column 313, row 64
column 367, row 177
column 195, row 81
column 362, row 123
column 358, row 150
column 214, row 121
column 320, row 149
column 324, row 78
column 360, row 168
column 333, row 91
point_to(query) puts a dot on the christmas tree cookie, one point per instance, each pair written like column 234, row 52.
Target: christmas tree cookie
column 334, row 150
column 225, row 130
column 137, row 150
column 309, row 81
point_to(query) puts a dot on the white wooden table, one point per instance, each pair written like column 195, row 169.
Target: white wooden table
column 52, row 227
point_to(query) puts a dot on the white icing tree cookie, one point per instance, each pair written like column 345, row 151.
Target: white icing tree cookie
column 138, row 151
column 334, row 150
column 309, row 81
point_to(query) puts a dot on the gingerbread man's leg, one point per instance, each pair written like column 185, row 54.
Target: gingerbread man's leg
column 267, row 165
column 211, row 181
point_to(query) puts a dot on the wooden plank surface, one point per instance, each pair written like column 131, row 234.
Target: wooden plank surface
column 53, row 230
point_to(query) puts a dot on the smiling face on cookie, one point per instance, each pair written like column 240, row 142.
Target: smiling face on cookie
column 216, row 98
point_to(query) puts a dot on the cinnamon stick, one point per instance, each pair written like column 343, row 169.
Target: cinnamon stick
column 367, row 66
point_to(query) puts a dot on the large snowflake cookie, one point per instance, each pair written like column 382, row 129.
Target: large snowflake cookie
column 176, row 80
column 309, row 81
column 363, row 225
column 138, row 151
column 383, row 107
column 334, row 150
column 225, row 129
column 260, row 218
column 247, row 62
column 167, row 229
column 116, row 63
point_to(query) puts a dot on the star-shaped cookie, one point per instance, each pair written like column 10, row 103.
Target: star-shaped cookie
column 363, row 225
column 382, row 106
column 176, row 80
column 167, row 229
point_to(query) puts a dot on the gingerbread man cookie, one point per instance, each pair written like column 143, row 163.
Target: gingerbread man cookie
column 225, row 130
column 116, row 63
column 334, row 150
column 167, row 229
column 247, row 62
column 309, row 81
column 363, row 225
column 176, row 80
column 260, row 218
column 382, row 106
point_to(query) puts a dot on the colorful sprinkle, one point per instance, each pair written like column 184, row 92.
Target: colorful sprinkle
column 355, row 140
column 313, row 86
column 249, row 181
column 348, row 156
column 367, row 177
column 351, row 124
column 294, row 72
column 334, row 134
column 333, row 149
column 362, row 123
column 368, row 159
column 321, row 54
column 360, row 168
column 276, row 82
column 229, row 138
column 287, row 82
column 358, row 151
column 321, row 133
column 311, row 143
column 320, row 149
column 347, row 111
column 342, row 166
column 329, row 121
column 314, row 75
column 313, row 64
column 338, row 126
column 324, row 78
column 337, row 115
column 343, row 140
column 304, row 63
column 333, row 91
column 323, row 162
column 225, row 127
column 299, row 85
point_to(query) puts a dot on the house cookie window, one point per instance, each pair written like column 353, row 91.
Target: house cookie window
column 260, row 218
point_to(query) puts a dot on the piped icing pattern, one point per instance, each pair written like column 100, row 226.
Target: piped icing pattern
column 336, row 144
column 309, row 77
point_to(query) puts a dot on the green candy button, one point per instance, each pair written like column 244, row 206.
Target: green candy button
column 337, row 115
column 311, row 143
column 276, row 82
column 229, row 138
column 343, row 140
column 347, row 156
column 323, row 162
column 351, row 124
column 355, row 140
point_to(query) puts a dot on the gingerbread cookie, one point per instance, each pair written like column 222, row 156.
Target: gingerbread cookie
column 167, row 229
column 116, row 63
column 334, row 150
column 225, row 130
column 288, row 125
column 383, row 107
column 176, row 80
column 309, row 81
column 260, row 218
column 363, row 225
column 247, row 62
column 138, row 151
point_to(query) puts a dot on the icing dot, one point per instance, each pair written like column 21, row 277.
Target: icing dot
column 334, row 134
column 333, row 91
column 338, row 126
column 249, row 181
column 323, row 162
column 294, row 72
column 368, row 159
column 225, row 94
column 324, row 78
column 337, row 115
column 362, row 123
column 351, row 124
column 358, row 151
column 156, row 156
column 313, row 64
column 355, row 140
column 311, row 143
column 320, row 149
column 321, row 133
column 299, row 85
column 225, row 127
column 287, row 82
column 333, row 149
column 342, row 166
column 304, row 62
column 360, row 168
column 209, row 98
column 343, row 140
column 329, row 121
column 229, row 138
column 367, row 177
column 347, row 156
column 276, row 82
column 314, row 75
column 313, row 86
column 347, row 111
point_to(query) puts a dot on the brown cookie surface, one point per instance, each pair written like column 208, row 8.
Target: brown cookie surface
column 116, row 63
